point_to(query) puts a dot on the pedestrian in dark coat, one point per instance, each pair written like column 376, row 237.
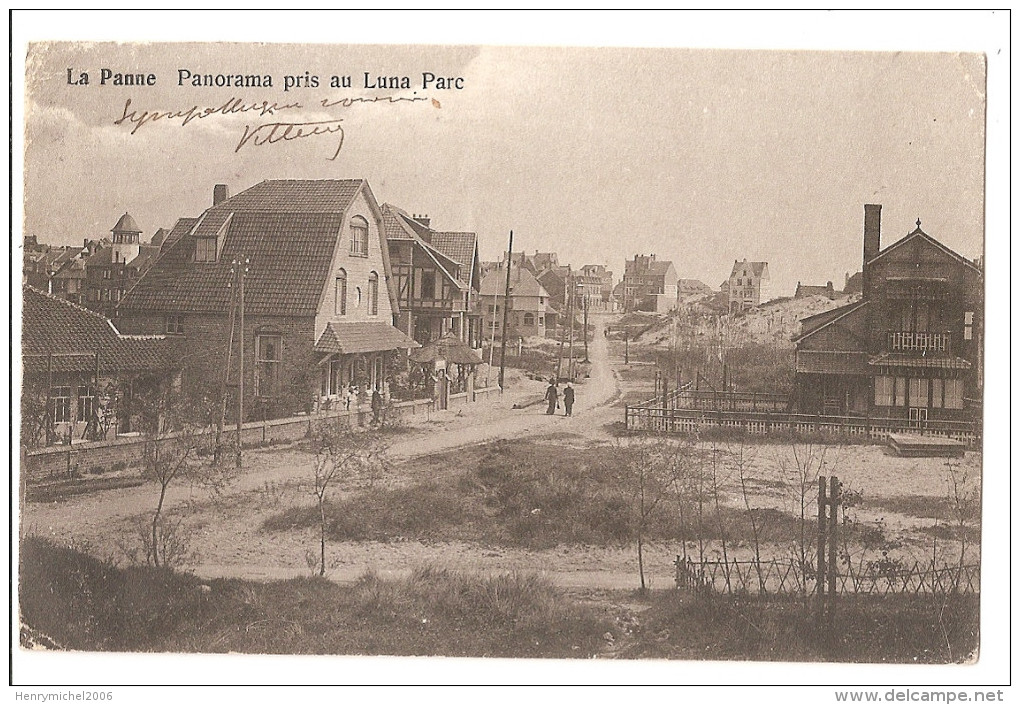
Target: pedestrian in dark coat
column 568, row 400
column 552, row 395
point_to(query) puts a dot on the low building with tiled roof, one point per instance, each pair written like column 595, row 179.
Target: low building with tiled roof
column 80, row 371
column 318, row 301
column 435, row 276
column 805, row 290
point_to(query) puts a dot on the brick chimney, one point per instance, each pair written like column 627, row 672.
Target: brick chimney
column 872, row 238
column 220, row 193
column 422, row 219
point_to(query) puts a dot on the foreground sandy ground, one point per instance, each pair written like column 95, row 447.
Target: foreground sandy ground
column 227, row 540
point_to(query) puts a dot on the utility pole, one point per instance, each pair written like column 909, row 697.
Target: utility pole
column 586, row 360
column 242, row 270
column 506, row 309
column 563, row 333
column 217, row 452
column 570, row 312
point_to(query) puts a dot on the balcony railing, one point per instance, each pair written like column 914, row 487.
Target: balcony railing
column 919, row 341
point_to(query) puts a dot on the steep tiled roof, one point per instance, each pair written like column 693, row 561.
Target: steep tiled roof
column 181, row 228
column 295, row 196
column 361, row 337
column 816, row 322
column 757, row 268
column 287, row 230
column 522, row 283
column 289, row 256
column 399, row 226
column 460, row 247
column 73, row 335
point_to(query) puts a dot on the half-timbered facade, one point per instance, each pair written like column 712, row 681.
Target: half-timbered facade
column 436, row 278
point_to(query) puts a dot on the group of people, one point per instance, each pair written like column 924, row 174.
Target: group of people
column 552, row 395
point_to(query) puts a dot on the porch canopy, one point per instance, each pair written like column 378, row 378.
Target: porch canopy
column 361, row 337
column 449, row 348
column 944, row 362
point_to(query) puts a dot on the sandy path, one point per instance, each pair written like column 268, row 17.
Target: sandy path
column 225, row 531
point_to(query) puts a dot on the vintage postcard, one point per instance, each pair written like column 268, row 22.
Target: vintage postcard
column 639, row 354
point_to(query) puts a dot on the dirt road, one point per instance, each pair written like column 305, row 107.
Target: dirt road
column 224, row 526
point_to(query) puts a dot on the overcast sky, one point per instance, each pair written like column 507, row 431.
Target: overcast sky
column 698, row 156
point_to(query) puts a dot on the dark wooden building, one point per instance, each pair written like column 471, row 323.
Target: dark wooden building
column 911, row 347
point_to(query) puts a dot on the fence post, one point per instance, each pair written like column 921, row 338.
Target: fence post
column 833, row 539
column 820, row 570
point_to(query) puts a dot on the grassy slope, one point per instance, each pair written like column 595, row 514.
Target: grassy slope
column 84, row 604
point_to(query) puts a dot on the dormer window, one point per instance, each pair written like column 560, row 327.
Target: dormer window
column 205, row 249
column 359, row 236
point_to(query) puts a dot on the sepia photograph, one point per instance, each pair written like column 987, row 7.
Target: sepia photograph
column 522, row 358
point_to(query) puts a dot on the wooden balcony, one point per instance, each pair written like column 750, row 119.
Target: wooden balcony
column 919, row 341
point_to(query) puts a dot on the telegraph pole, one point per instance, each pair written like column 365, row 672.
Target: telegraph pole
column 586, row 327
column 242, row 270
column 506, row 309
column 226, row 374
column 570, row 311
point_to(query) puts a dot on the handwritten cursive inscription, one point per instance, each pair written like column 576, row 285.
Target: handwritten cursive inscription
column 258, row 134
column 233, row 106
column 273, row 132
column 348, row 102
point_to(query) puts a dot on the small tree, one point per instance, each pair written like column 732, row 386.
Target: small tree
column 179, row 437
column 342, row 455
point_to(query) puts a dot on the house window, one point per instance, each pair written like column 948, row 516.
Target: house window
column 86, row 402
column 373, row 294
column 428, row 284
column 954, row 393
column 900, row 392
column 61, row 397
column 359, row 236
column 918, row 392
column 968, row 325
column 174, row 324
column 340, row 294
column 936, row 392
column 529, row 319
column 267, row 361
column 205, row 249
column 883, row 391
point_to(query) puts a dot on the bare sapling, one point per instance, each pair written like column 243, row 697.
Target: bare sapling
column 343, row 455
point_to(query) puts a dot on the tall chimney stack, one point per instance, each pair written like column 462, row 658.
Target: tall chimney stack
column 872, row 239
column 219, row 194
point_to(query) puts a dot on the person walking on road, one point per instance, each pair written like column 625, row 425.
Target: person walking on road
column 552, row 396
column 568, row 400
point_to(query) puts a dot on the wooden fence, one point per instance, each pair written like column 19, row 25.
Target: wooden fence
column 61, row 462
column 787, row 577
column 661, row 419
